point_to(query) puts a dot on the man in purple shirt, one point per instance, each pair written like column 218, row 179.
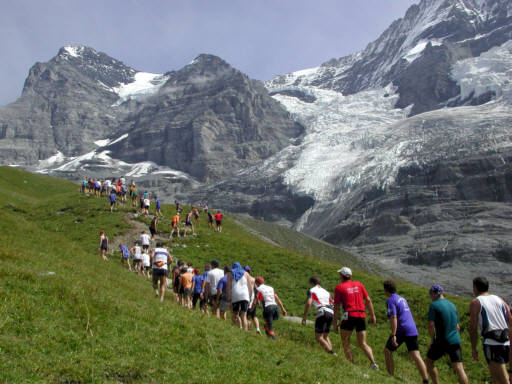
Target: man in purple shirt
column 403, row 329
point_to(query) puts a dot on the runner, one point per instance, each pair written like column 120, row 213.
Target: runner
column 152, row 227
column 141, row 200
column 175, row 225
column 490, row 316
column 212, row 280
column 135, row 194
column 176, row 272
column 103, row 245
column 223, row 302
column 146, row 263
column 83, row 186
column 353, row 296
column 204, row 293
column 97, row 188
column 190, row 267
column 186, row 286
column 251, row 314
column 268, row 298
column 112, row 200
column 197, row 285
column 188, row 224
column 147, row 203
column 210, row 220
column 158, row 211
column 144, row 240
column 239, row 294
column 108, row 187
column 322, row 301
column 443, row 328
column 125, row 255
column 160, row 258
column 196, row 215
column 218, row 221
column 136, row 251
column 403, row 329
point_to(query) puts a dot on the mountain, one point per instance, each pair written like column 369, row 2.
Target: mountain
column 85, row 112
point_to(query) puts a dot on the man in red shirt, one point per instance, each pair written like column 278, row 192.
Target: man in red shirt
column 353, row 296
column 218, row 221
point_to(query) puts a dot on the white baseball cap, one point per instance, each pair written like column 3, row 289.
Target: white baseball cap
column 345, row 271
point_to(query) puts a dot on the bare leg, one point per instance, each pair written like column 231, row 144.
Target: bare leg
column 361, row 341
column 420, row 364
column 325, row 344
column 459, row 370
column 499, row 373
column 432, row 371
column 345, row 341
column 390, row 364
column 245, row 323
column 327, row 340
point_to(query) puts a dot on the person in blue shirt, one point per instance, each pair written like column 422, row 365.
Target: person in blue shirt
column 197, row 285
column 158, row 211
column 403, row 330
column 112, row 200
column 222, row 298
column 125, row 255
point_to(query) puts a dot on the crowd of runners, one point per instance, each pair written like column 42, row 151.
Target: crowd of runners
column 233, row 289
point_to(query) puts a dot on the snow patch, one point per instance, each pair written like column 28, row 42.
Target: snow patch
column 145, row 84
column 102, row 143
column 52, row 160
column 417, row 51
column 72, row 50
column 122, row 137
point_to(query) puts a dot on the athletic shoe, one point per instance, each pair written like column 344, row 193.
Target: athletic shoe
column 374, row 366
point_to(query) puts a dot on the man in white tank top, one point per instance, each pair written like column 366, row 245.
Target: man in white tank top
column 136, row 251
column 161, row 259
column 490, row 316
column 239, row 294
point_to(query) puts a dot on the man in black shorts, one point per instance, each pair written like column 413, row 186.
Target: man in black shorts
column 403, row 330
column 443, row 328
column 323, row 303
column 161, row 259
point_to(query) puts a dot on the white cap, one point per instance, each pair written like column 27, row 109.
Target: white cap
column 345, row 271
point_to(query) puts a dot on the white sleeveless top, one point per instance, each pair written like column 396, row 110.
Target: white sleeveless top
column 160, row 255
column 239, row 290
column 137, row 254
column 266, row 295
column 321, row 300
column 492, row 317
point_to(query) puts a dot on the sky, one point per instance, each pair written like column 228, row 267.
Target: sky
column 262, row 38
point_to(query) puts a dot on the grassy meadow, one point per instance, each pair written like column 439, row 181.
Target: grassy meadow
column 68, row 317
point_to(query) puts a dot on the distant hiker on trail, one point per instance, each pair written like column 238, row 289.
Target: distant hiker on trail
column 218, row 221
column 175, row 225
column 176, row 274
column 147, row 203
column 186, row 286
column 136, row 251
column 223, row 302
column 251, row 314
column 197, row 286
column 125, row 255
column 321, row 300
column 146, row 263
column 196, row 215
column 188, row 224
column 212, row 280
column 152, row 227
column 141, row 199
column 268, row 299
column 158, row 205
column 210, row 220
column 83, row 186
column 103, row 245
column 112, row 198
column 352, row 297
column 490, row 316
column 135, row 194
column 177, row 204
column 238, row 294
column 144, row 240
column 403, row 330
column 204, row 293
column 443, row 328
column 160, row 258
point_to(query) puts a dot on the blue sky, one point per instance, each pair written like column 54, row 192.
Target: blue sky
column 262, row 38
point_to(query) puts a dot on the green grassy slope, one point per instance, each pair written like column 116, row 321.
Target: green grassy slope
column 91, row 321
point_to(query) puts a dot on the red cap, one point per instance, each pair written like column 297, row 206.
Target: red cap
column 259, row 280
column 101, row 231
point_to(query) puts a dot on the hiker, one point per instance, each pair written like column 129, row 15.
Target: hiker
column 251, row 314
column 175, row 225
column 403, row 329
column 176, row 274
column 204, row 293
column 112, row 198
column 152, row 227
column 352, row 296
column 160, row 258
column 136, row 251
column 158, row 206
column 321, row 299
column 268, row 298
column 222, row 299
column 443, row 328
column 210, row 220
column 146, row 263
column 125, row 255
column 212, row 280
column 490, row 316
column 135, row 194
column 103, row 245
column 196, row 215
column 147, row 203
column 188, row 224
column 144, row 240
column 218, row 221
column 197, row 285
column 238, row 294
column 186, row 287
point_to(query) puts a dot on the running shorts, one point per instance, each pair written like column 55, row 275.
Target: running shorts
column 497, row 353
column 323, row 323
column 438, row 349
column 240, row 306
column 411, row 343
column 157, row 272
column 359, row 323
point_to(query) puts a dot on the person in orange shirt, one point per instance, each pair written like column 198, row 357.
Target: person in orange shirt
column 186, row 287
column 175, row 225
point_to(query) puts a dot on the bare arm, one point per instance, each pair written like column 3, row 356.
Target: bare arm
column 431, row 327
column 228, row 288
column 306, row 310
column 474, row 310
column 393, row 324
column 369, row 304
column 249, row 284
column 279, row 302
column 335, row 317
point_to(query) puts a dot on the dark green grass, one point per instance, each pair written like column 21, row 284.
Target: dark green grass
column 93, row 321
